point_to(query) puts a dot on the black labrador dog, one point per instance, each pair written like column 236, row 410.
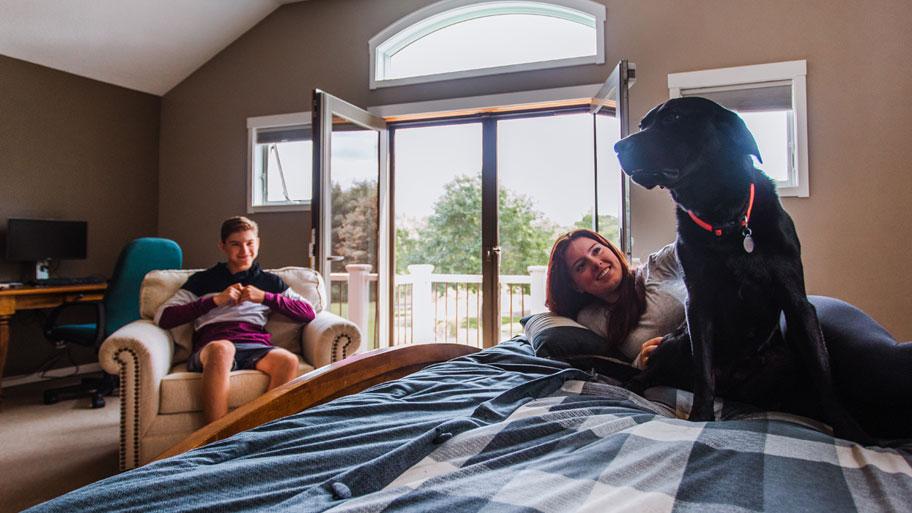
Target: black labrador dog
column 742, row 268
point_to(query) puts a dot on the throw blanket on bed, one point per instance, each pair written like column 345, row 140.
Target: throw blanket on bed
column 503, row 430
column 594, row 447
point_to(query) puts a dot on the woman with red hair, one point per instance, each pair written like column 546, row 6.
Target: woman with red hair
column 590, row 280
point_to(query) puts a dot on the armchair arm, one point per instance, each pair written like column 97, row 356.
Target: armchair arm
column 140, row 353
column 329, row 339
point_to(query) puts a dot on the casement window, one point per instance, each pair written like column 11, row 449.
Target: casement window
column 468, row 38
column 280, row 163
column 772, row 100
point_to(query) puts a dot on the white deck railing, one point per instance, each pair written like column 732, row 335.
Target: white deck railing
column 430, row 307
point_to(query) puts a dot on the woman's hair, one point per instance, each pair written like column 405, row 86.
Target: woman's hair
column 562, row 298
column 237, row 224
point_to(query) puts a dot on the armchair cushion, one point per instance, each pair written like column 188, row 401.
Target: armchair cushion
column 182, row 391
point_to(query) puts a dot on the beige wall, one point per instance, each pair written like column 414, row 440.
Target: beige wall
column 74, row 148
column 854, row 230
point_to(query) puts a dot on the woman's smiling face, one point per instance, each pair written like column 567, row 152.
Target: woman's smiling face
column 595, row 269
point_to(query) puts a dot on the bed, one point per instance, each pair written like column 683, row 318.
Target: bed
column 499, row 430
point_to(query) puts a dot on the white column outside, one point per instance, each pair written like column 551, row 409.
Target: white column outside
column 422, row 302
column 359, row 297
column 537, row 275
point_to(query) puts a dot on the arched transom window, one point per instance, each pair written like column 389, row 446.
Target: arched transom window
column 464, row 38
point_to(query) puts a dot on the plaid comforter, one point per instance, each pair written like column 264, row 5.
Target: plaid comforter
column 504, row 430
column 595, row 447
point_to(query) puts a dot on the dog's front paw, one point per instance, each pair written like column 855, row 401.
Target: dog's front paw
column 702, row 412
column 637, row 384
column 846, row 428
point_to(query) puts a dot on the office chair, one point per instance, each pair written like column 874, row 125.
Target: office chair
column 120, row 306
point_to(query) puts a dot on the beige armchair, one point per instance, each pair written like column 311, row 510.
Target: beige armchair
column 160, row 402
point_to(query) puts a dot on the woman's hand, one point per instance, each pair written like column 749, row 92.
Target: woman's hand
column 646, row 349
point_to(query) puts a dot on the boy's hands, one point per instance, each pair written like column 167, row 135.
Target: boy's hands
column 252, row 294
column 230, row 296
column 237, row 293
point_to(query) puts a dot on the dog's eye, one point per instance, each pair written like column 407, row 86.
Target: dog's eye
column 671, row 118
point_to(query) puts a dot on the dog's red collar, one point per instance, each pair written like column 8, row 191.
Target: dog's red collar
column 718, row 230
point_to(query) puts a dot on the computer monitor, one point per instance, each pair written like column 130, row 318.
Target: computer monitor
column 42, row 240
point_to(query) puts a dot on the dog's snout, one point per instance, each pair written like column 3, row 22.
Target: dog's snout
column 622, row 145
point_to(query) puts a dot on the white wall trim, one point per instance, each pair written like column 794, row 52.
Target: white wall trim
column 738, row 75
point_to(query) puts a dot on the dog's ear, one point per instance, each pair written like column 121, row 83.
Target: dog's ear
column 736, row 130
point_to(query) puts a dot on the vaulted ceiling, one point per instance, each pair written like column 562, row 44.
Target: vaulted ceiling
column 146, row 45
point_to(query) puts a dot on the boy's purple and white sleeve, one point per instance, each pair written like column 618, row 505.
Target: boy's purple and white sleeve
column 291, row 305
column 183, row 307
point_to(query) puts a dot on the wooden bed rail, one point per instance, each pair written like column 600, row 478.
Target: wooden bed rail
column 350, row 376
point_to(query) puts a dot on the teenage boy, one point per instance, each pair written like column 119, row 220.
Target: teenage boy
column 229, row 304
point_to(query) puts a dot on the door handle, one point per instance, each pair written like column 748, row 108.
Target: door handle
column 492, row 253
column 335, row 258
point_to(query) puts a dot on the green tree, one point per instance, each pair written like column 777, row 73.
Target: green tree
column 451, row 238
column 355, row 224
column 609, row 226
column 525, row 235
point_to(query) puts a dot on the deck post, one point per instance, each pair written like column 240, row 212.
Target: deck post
column 537, row 275
column 359, row 296
column 422, row 302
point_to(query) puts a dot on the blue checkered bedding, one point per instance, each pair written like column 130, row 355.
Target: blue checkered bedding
column 502, row 430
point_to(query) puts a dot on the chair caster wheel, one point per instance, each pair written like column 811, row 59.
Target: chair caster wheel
column 50, row 398
column 98, row 402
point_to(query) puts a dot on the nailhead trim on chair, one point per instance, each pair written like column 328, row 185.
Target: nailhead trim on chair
column 123, row 408
column 335, row 346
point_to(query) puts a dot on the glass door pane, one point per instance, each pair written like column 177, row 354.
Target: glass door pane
column 609, row 107
column 609, row 177
column 349, row 183
column 545, row 172
column 437, row 190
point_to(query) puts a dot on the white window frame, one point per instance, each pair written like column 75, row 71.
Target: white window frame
column 794, row 72
column 397, row 36
column 255, row 191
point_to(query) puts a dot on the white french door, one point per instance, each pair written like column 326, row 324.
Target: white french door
column 350, row 210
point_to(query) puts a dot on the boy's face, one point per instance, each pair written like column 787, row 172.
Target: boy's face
column 241, row 248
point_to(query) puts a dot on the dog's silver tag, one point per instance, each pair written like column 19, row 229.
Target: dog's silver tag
column 748, row 241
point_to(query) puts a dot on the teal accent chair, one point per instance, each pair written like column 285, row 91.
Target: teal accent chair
column 119, row 307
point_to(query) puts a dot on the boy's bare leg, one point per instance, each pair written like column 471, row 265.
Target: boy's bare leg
column 217, row 358
column 280, row 365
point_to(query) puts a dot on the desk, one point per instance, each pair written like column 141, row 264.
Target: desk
column 32, row 298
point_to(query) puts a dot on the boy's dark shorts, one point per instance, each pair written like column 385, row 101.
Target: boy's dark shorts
column 246, row 356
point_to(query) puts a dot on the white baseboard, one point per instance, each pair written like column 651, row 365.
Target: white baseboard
column 63, row 372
